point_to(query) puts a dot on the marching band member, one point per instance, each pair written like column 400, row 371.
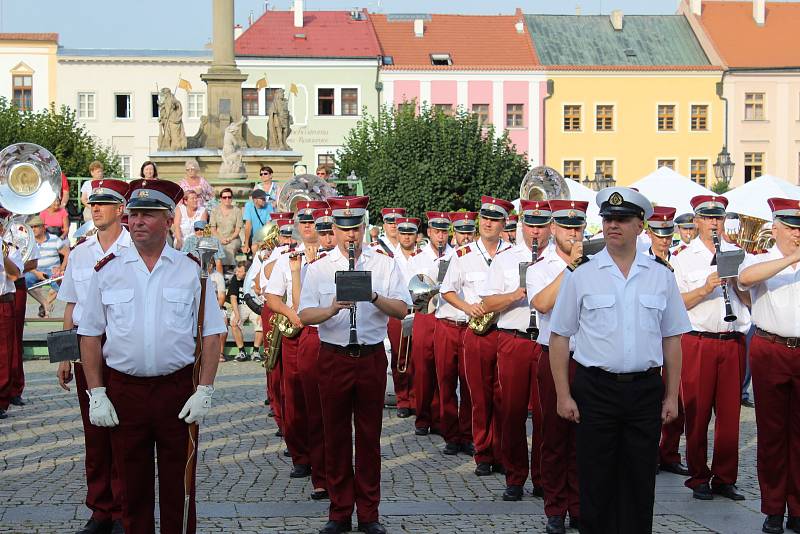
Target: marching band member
column 713, row 356
column 625, row 312
column 774, row 284
column 687, row 230
column 509, row 233
column 463, row 226
column 146, row 301
column 103, row 486
column 389, row 241
column 461, row 287
column 559, row 465
column 352, row 377
column 517, row 352
column 20, row 307
column 8, row 337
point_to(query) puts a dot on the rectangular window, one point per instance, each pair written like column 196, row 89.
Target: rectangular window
column 754, row 106
column 441, row 60
column 350, row 101
column 699, row 118
column 249, row 102
column 572, row 169
column 606, row 166
column 195, row 105
column 154, row 105
column 753, row 165
column 86, row 108
column 604, row 118
column 447, row 109
column 23, row 92
column 325, row 159
column 481, row 111
column 122, row 106
column 670, row 163
column 666, row 118
column 325, row 101
column 125, row 161
column 699, row 170
column 572, row 118
column 514, row 116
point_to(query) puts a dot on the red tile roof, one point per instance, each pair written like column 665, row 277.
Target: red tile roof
column 742, row 43
column 29, row 37
column 485, row 42
column 326, row 34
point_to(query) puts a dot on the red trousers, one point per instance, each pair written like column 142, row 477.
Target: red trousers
column 148, row 428
column 426, row 392
column 274, row 376
column 295, row 418
column 776, row 385
column 103, row 485
column 480, row 366
column 671, row 437
column 17, row 370
column 403, row 388
column 352, row 393
column 8, row 349
column 456, row 410
column 559, row 460
column 711, row 380
column 517, row 367
column 307, row 364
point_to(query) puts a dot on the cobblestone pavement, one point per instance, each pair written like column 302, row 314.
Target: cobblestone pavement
column 243, row 482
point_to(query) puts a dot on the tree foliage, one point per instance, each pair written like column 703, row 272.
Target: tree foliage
column 429, row 160
column 720, row 187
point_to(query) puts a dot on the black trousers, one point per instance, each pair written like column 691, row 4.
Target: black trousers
column 617, row 442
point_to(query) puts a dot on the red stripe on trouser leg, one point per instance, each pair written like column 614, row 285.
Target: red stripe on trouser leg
column 17, row 369
column 295, row 432
column 352, row 393
column 403, row 388
column 8, row 345
column 671, row 437
column 776, row 386
column 455, row 410
column 480, row 365
column 517, row 363
column 424, row 382
column 559, row 461
column 710, row 380
column 307, row 363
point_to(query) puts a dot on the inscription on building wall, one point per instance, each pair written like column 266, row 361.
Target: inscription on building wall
column 310, row 136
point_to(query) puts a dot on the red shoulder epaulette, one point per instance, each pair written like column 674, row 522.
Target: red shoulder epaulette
column 193, row 258
column 462, row 250
column 81, row 241
column 380, row 250
column 415, row 252
column 319, row 257
column 679, row 249
column 103, row 261
column 540, row 258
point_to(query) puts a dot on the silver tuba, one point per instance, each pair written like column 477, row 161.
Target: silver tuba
column 543, row 183
column 19, row 236
column 303, row 187
column 30, row 178
column 422, row 289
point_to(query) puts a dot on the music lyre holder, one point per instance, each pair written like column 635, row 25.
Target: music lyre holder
column 63, row 346
column 728, row 262
column 353, row 286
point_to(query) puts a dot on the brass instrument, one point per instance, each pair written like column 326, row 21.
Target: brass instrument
column 18, row 236
column 30, row 178
column 406, row 326
column 422, row 290
column 303, row 187
column 544, row 183
column 729, row 315
column 747, row 236
column 765, row 239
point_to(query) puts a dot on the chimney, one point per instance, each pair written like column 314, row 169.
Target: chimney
column 577, row 10
column 759, row 11
column 616, row 19
column 237, row 31
column 696, row 7
column 419, row 27
column 519, row 26
column 298, row 13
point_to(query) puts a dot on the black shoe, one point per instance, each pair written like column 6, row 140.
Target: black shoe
column 728, row 490
column 117, row 528
column 451, row 449
column 499, row 469
column 96, row 527
column 468, row 448
column 747, row 403
column 336, row 527
column 242, row 356
column 3, row 414
column 421, row 431
column 319, row 495
column 773, row 524
column 372, row 528
column 538, row 491
column 555, row 525
column 575, row 523
column 300, row 471
column 287, row 454
column 17, row 401
column 402, row 413
column 435, row 431
column 512, row 493
column 279, row 433
column 266, row 402
column 271, row 414
column 702, row 492
column 483, row 469
column 677, row 468
column 793, row 523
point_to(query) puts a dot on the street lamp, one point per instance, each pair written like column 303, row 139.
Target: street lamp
column 723, row 168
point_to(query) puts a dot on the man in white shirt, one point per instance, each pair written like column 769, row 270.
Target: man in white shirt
column 389, row 240
column 8, row 337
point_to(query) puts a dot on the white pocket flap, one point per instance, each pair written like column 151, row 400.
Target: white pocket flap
column 116, row 296
column 593, row 302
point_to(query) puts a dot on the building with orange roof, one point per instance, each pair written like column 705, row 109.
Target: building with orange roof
column 758, row 43
column 480, row 63
column 28, row 67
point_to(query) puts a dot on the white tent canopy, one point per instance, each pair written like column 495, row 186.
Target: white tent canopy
column 751, row 198
column 666, row 187
column 579, row 191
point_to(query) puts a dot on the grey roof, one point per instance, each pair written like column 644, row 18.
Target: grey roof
column 132, row 52
column 591, row 40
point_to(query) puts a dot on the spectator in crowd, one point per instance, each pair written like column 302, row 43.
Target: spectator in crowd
column 191, row 242
column 256, row 215
column 218, row 282
column 56, row 219
column 374, row 234
column 240, row 312
column 189, row 212
column 50, row 264
column 226, row 225
column 269, row 187
column 64, row 190
column 96, row 172
column 324, row 172
column 194, row 182
column 148, row 171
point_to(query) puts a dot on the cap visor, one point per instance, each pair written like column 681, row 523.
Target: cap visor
column 348, row 222
column 793, row 222
column 621, row 211
column 532, row 220
column 104, row 199
column 663, row 232
column 147, row 204
column 569, row 222
column 711, row 212
column 464, row 229
column 491, row 214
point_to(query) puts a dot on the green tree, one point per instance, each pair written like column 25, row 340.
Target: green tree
column 430, row 160
column 720, row 187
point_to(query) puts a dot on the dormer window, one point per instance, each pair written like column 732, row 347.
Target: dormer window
column 441, row 60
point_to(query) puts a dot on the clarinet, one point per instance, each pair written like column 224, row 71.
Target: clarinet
column 351, row 258
column 729, row 315
column 533, row 330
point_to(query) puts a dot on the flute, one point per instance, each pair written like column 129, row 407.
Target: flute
column 351, row 258
column 533, row 330
column 729, row 315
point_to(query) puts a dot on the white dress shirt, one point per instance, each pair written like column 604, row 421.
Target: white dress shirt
column 426, row 262
column 319, row 291
column 394, row 249
column 619, row 322
column 502, row 278
column 404, row 263
column 280, row 281
column 540, row 275
column 692, row 267
column 468, row 271
column 6, row 284
column 149, row 318
column 775, row 300
column 80, row 270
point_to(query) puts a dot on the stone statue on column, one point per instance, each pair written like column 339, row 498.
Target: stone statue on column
column 280, row 122
column 232, row 145
column 171, row 135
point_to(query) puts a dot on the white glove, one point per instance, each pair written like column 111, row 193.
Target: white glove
column 198, row 405
column 101, row 411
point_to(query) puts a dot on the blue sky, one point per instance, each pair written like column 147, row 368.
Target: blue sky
column 186, row 24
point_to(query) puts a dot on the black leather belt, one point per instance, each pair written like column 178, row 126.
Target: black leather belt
column 621, row 377
column 8, row 297
column 354, row 351
column 715, row 335
column 517, row 333
column 458, row 324
column 790, row 342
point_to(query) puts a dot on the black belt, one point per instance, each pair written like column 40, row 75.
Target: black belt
column 790, row 342
column 715, row 335
column 19, row 283
column 8, row 297
column 458, row 324
column 354, row 351
column 517, row 333
column 621, row 377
